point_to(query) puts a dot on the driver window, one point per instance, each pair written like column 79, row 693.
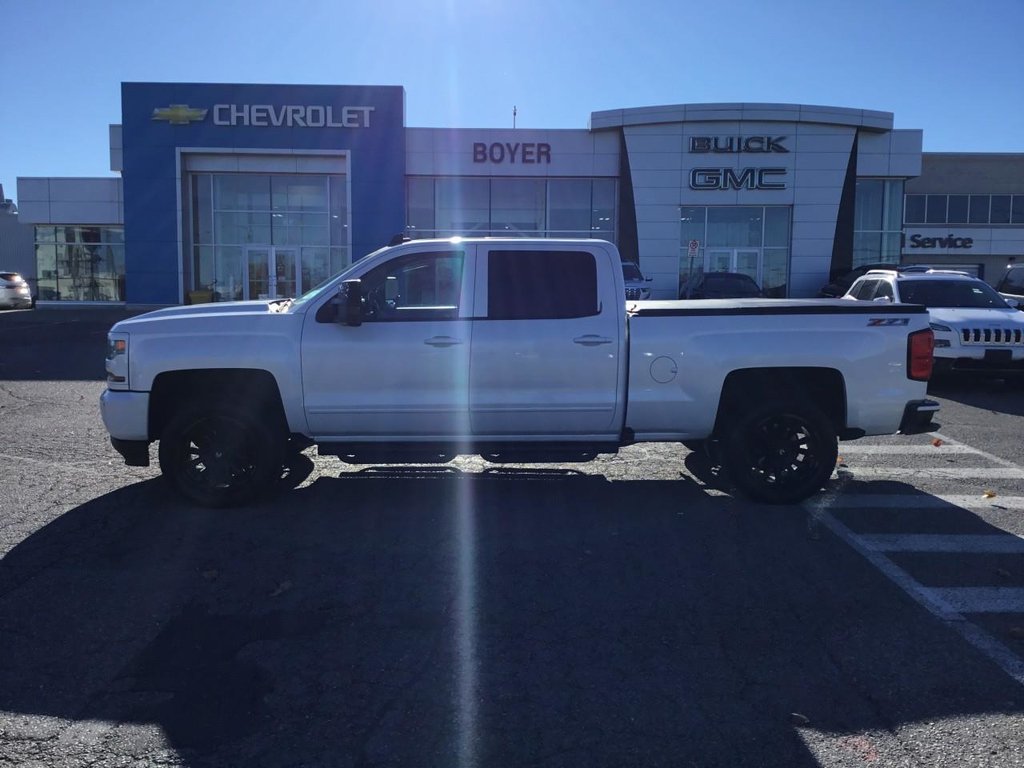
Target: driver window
column 418, row 286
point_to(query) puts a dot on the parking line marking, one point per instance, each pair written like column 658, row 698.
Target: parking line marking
column 939, row 603
column 976, row 543
column 939, row 473
column 990, row 456
column 102, row 466
column 851, row 449
column 908, row 501
column 982, row 599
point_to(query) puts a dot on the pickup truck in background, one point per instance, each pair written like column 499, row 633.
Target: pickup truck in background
column 519, row 350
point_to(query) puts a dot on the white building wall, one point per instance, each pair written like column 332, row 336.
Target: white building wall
column 71, row 201
column 947, row 245
column 819, row 141
column 510, row 152
column 815, row 169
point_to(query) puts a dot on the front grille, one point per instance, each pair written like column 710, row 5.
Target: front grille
column 1003, row 336
column 633, row 294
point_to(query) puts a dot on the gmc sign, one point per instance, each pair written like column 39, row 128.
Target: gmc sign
column 727, row 178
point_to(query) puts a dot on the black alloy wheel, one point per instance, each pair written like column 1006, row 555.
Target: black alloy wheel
column 780, row 452
column 218, row 455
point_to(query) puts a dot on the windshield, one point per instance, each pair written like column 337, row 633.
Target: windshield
column 318, row 290
column 959, row 294
column 631, row 271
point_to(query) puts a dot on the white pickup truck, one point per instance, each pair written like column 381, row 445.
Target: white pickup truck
column 520, row 350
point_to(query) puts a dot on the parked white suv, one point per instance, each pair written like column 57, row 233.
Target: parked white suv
column 975, row 328
column 14, row 291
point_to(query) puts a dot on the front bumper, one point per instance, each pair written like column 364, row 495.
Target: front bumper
column 125, row 414
column 15, row 301
column 997, row 361
column 126, row 417
column 994, row 349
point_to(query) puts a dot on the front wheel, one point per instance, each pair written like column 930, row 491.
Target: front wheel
column 780, row 452
column 219, row 455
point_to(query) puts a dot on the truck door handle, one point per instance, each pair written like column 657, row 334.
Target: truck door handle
column 591, row 340
column 442, row 341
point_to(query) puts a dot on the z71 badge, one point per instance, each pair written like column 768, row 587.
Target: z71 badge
column 888, row 321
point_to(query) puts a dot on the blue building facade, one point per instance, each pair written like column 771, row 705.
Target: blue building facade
column 248, row 191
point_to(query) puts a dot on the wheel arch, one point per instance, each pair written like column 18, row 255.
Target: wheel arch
column 245, row 387
column 824, row 387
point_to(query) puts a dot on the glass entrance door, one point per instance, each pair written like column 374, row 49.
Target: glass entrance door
column 285, row 284
column 271, row 272
column 744, row 260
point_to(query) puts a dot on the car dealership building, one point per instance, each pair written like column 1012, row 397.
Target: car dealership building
column 247, row 191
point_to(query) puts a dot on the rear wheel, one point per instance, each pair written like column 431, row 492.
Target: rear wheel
column 219, row 455
column 780, row 452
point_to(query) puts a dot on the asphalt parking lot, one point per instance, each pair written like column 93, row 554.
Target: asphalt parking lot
column 622, row 612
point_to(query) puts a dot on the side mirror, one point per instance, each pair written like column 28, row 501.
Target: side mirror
column 351, row 295
column 883, row 299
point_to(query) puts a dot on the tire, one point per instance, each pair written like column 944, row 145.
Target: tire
column 780, row 452
column 218, row 455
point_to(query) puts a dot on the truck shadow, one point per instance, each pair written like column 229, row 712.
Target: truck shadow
column 426, row 616
column 996, row 395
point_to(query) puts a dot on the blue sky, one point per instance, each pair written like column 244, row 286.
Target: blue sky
column 954, row 69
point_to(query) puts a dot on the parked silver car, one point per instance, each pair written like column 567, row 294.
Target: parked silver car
column 14, row 291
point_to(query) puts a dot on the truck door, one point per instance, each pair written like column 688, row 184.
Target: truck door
column 403, row 373
column 547, row 348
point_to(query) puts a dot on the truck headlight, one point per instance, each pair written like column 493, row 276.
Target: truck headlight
column 940, row 328
column 117, row 360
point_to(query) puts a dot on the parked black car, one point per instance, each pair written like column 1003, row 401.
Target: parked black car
column 722, row 285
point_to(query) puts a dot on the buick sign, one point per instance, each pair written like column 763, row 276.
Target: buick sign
column 735, row 144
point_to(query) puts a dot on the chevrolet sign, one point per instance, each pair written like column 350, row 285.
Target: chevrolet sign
column 291, row 116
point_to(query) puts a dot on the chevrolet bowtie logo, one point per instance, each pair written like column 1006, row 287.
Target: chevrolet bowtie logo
column 179, row 114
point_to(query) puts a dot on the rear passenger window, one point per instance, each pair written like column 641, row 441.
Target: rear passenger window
column 541, row 285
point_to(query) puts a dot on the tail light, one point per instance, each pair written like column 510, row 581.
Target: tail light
column 920, row 354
